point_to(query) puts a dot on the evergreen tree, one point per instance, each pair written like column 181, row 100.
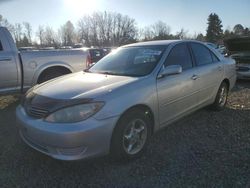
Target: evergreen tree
column 214, row 29
column 200, row 37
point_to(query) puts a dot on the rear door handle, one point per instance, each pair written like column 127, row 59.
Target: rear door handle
column 5, row 58
column 220, row 68
column 194, row 77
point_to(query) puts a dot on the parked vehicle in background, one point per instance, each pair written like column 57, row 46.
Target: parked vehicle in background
column 95, row 54
column 47, row 48
column 239, row 49
column 220, row 48
column 106, row 51
column 21, row 70
column 215, row 46
column 30, row 48
column 78, row 45
column 66, row 47
column 116, row 105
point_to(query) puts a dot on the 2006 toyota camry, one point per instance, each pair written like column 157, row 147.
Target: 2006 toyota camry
column 117, row 104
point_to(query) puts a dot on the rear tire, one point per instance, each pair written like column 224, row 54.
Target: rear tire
column 221, row 97
column 130, row 136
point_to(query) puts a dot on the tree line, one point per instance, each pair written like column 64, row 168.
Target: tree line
column 105, row 29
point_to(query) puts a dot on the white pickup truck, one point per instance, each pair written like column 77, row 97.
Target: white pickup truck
column 21, row 70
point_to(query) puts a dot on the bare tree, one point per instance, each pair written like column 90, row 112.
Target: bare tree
column 106, row 29
column 160, row 30
column 94, row 36
column 157, row 31
column 41, row 35
column 84, row 30
column 18, row 34
column 67, row 34
column 182, row 34
column 128, row 30
column 104, row 21
column 146, row 34
column 50, row 37
column 28, row 31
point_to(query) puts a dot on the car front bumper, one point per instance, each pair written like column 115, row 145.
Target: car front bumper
column 66, row 141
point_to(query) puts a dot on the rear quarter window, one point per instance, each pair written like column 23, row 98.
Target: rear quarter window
column 214, row 57
column 202, row 54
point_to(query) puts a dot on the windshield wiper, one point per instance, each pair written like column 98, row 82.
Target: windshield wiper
column 87, row 70
column 108, row 73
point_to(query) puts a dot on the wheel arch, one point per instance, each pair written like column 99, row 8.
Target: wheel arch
column 144, row 108
column 227, row 81
column 45, row 69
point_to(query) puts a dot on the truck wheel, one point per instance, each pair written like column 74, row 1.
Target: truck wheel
column 221, row 97
column 48, row 75
column 130, row 136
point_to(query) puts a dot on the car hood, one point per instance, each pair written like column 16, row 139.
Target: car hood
column 81, row 85
column 240, row 44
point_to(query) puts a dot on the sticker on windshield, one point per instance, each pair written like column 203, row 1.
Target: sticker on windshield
column 152, row 52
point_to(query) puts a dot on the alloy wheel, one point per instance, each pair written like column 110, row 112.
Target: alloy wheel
column 135, row 136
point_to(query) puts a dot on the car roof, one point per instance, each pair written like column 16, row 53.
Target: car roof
column 159, row 43
column 173, row 42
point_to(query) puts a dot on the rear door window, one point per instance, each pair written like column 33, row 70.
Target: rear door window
column 179, row 55
column 202, row 54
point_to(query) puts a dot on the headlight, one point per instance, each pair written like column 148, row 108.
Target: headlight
column 75, row 113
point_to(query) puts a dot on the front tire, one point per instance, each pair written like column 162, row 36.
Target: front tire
column 221, row 97
column 131, row 135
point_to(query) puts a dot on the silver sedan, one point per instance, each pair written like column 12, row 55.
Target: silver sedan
column 119, row 103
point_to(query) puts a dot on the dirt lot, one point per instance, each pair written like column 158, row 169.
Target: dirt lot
column 205, row 149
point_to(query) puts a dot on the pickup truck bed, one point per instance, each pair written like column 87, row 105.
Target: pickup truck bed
column 36, row 62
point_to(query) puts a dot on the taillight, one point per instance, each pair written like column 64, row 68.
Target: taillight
column 88, row 61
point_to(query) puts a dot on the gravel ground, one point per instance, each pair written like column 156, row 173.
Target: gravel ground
column 205, row 149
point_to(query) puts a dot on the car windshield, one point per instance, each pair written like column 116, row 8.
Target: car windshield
column 129, row 61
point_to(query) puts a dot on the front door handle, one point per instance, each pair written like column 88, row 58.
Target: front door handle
column 194, row 77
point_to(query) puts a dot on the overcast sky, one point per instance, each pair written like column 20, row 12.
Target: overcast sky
column 189, row 14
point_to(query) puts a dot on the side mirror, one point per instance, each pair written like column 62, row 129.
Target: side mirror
column 170, row 70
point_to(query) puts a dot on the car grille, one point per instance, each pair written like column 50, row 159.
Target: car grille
column 36, row 112
column 71, row 151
